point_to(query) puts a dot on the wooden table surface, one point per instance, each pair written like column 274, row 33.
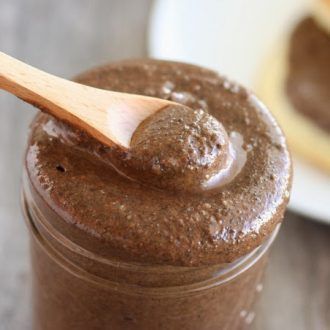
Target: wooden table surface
column 65, row 37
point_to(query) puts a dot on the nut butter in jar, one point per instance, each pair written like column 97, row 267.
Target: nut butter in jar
column 115, row 250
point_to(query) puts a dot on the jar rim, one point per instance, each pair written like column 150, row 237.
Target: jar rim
column 224, row 273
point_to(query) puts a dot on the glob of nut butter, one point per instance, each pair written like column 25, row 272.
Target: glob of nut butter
column 180, row 149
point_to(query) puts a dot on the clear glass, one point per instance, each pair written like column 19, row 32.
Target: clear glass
column 74, row 288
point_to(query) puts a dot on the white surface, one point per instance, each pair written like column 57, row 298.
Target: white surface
column 234, row 37
column 310, row 192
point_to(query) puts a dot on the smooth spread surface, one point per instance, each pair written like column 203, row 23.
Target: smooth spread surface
column 308, row 82
column 135, row 221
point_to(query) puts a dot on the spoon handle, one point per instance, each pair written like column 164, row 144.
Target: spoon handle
column 111, row 117
column 43, row 90
column 77, row 104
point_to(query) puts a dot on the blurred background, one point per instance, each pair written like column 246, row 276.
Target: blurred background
column 67, row 37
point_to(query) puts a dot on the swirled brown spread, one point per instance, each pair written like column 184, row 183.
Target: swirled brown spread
column 203, row 183
column 178, row 149
column 308, row 81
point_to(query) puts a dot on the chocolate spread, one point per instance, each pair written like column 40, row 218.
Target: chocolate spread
column 156, row 237
column 202, row 184
column 308, row 81
column 179, row 149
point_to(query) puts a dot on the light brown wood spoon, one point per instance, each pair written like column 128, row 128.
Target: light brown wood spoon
column 110, row 117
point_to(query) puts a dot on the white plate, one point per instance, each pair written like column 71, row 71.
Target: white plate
column 234, row 37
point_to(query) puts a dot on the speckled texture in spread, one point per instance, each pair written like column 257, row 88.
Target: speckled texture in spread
column 131, row 220
column 178, row 148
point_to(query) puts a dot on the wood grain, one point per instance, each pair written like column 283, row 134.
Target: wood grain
column 110, row 117
column 66, row 37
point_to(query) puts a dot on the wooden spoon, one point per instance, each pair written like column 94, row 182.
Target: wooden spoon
column 110, row 117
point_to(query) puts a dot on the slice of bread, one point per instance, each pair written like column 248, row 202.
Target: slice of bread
column 321, row 13
column 305, row 138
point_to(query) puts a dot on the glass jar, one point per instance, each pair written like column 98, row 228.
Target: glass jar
column 73, row 288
